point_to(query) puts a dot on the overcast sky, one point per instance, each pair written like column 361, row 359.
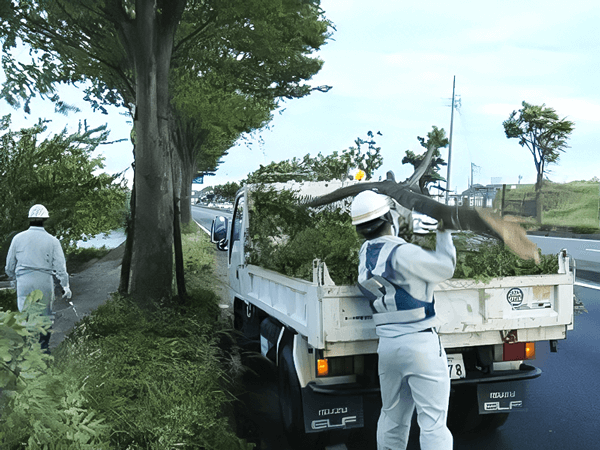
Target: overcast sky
column 391, row 65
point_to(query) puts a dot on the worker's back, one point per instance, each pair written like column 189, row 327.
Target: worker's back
column 34, row 250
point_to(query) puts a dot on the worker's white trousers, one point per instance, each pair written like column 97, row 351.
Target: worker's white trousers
column 29, row 282
column 413, row 371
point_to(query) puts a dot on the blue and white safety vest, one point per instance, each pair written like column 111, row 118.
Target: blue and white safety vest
column 398, row 279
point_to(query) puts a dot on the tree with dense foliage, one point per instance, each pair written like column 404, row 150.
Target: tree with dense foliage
column 544, row 134
column 437, row 138
column 206, row 125
column 227, row 191
column 125, row 50
column 336, row 166
column 59, row 172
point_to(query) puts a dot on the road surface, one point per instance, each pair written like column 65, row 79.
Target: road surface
column 205, row 216
column 586, row 253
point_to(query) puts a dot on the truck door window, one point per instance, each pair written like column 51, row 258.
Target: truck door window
column 236, row 230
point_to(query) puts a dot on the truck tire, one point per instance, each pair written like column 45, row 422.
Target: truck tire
column 290, row 405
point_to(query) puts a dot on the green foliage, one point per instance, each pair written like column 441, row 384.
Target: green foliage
column 222, row 65
column 483, row 260
column 20, row 355
column 227, row 191
column 286, row 236
column 59, row 172
column 436, row 138
column 39, row 409
column 323, row 168
column 8, row 300
column 540, row 130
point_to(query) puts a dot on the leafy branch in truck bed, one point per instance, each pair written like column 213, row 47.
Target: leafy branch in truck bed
column 286, row 236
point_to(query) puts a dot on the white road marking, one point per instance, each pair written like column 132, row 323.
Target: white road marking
column 587, row 285
column 592, row 250
column 203, row 229
column 534, row 236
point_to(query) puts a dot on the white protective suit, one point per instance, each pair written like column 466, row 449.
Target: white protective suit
column 398, row 279
column 33, row 257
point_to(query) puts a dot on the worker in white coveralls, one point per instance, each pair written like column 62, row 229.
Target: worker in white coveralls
column 34, row 257
column 398, row 279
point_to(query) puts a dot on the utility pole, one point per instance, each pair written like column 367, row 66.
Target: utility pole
column 448, row 185
column 473, row 166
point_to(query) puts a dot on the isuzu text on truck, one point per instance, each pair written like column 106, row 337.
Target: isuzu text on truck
column 322, row 336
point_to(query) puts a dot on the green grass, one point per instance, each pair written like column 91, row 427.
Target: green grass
column 77, row 258
column 573, row 205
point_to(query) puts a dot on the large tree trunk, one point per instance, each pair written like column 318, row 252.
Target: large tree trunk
column 152, row 256
column 176, row 165
column 188, row 172
column 126, row 263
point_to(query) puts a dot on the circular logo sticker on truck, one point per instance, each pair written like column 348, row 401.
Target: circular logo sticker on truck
column 515, row 297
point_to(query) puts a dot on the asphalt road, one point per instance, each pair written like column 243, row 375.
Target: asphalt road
column 564, row 403
column 585, row 252
column 205, row 216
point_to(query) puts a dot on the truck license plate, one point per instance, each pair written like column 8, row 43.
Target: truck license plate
column 456, row 366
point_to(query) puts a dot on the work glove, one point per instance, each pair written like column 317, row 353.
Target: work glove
column 68, row 294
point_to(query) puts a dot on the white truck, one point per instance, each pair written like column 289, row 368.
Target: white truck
column 322, row 337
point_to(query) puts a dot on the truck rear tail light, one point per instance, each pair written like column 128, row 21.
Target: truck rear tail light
column 322, row 367
column 518, row 351
column 335, row 367
column 530, row 350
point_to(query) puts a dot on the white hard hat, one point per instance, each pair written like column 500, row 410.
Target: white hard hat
column 367, row 206
column 38, row 212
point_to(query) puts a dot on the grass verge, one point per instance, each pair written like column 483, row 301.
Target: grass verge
column 572, row 205
column 123, row 379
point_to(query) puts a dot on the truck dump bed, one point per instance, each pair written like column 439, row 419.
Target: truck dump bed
column 338, row 320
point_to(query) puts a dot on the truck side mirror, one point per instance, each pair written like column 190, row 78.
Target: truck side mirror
column 218, row 232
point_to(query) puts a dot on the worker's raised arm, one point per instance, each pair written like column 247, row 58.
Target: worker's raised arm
column 432, row 266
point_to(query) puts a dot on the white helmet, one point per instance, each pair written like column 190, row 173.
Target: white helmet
column 38, row 212
column 367, row 206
